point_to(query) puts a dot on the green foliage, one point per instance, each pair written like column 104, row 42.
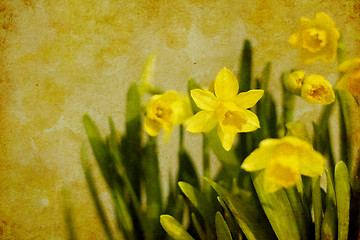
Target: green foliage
column 235, row 204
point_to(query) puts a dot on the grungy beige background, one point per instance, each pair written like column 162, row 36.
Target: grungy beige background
column 61, row 59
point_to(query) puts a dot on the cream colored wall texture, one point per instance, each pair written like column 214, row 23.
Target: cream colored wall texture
column 61, row 59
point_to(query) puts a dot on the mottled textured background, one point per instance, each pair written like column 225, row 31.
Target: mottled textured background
column 61, row 59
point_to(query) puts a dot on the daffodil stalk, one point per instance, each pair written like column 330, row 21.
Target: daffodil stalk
column 288, row 100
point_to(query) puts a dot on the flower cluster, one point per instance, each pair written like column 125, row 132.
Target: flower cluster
column 312, row 88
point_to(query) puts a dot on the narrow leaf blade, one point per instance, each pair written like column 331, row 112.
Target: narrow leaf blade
column 342, row 191
column 222, row 230
column 174, row 228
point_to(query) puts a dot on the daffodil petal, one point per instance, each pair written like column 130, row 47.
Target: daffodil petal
column 152, row 127
column 282, row 171
column 252, row 122
column 226, row 138
column 248, row 99
column 203, row 121
column 270, row 186
column 349, row 65
column 323, row 19
column 226, row 85
column 311, row 163
column 257, row 160
column 294, row 40
column 170, row 97
column 204, row 99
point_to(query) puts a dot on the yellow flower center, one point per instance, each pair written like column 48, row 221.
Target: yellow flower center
column 318, row 92
column 162, row 112
column 284, row 168
column 231, row 117
column 314, row 39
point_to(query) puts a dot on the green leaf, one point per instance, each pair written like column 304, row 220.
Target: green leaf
column 122, row 210
column 329, row 222
column 147, row 76
column 200, row 202
column 197, row 226
column 341, row 50
column 317, row 205
column 150, row 168
column 222, row 230
column 94, row 194
column 100, row 150
column 123, row 215
column 246, row 67
column 247, row 211
column 277, row 208
column 174, row 228
column 328, row 225
column 342, row 192
column 132, row 148
column 230, row 219
column 193, row 85
column 187, row 172
column 68, row 215
column 323, row 137
column 345, row 99
column 288, row 100
column 302, row 217
column 265, row 76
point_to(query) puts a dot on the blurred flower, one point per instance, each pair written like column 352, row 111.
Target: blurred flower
column 297, row 129
column 316, row 89
column 294, row 81
column 351, row 80
column 317, row 39
column 165, row 111
column 226, row 108
column 284, row 160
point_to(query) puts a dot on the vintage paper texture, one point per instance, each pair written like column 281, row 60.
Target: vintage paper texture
column 61, row 59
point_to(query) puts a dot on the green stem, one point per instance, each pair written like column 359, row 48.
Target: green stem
column 206, row 161
column 288, row 101
column 317, row 205
column 302, row 216
column 181, row 137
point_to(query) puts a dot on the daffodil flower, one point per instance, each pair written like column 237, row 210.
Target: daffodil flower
column 295, row 81
column 317, row 39
column 163, row 111
column 316, row 89
column 226, row 108
column 351, row 79
column 284, row 160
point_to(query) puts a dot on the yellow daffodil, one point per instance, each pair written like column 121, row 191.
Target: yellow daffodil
column 297, row 129
column 317, row 39
column 226, row 108
column 295, row 81
column 284, row 160
column 316, row 89
column 351, row 79
column 163, row 111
